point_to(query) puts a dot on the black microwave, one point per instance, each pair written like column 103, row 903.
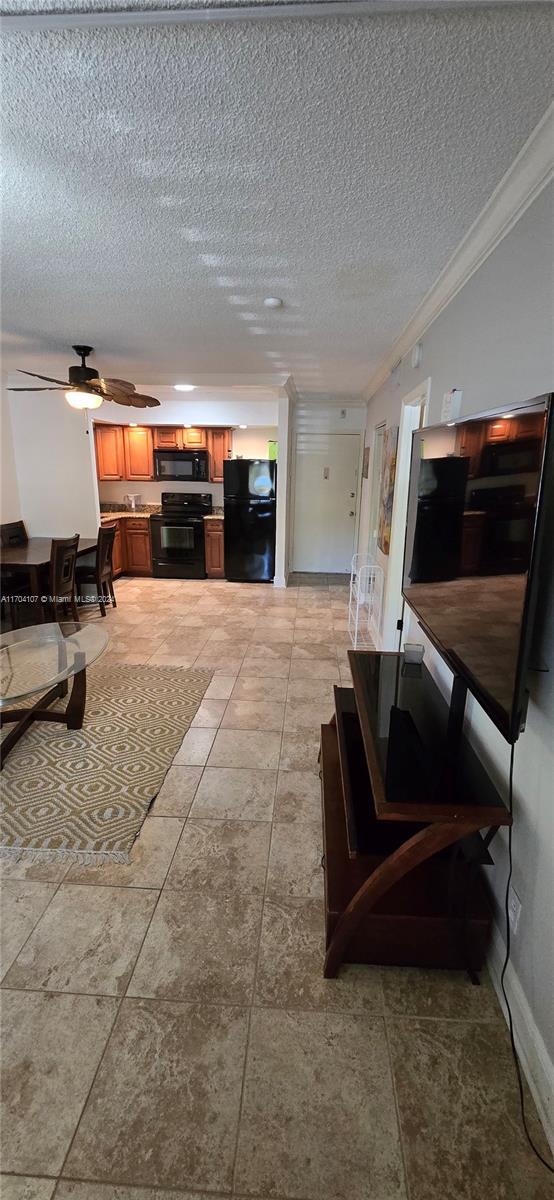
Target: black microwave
column 522, row 456
column 190, row 466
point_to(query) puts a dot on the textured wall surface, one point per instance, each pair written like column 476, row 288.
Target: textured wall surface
column 10, row 506
column 162, row 180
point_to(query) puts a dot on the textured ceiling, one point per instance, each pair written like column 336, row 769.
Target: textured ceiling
column 162, row 181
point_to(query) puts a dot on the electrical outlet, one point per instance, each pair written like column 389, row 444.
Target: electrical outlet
column 514, row 909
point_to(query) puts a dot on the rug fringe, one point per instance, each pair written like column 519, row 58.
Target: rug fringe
column 86, row 858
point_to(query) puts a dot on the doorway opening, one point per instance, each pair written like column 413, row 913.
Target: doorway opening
column 413, row 415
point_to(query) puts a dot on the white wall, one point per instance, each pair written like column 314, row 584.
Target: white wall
column 54, row 461
column 494, row 340
column 195, row 408
column 10, row 507
column 252, row 442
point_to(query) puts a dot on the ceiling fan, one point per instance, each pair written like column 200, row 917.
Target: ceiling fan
column 85, row 388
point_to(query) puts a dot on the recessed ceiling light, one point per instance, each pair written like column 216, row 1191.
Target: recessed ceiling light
column 273, row 302
column 507, row 416
column 133, row 424
column 184, row 387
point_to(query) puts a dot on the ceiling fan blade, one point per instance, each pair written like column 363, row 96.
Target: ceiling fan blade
column 118, row 385
column 148, row 401
column 33, row 389
column 48, row 378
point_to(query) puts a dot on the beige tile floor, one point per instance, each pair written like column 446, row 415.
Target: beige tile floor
column 167, row 1029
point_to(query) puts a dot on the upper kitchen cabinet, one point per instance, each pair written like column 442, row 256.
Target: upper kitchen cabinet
column 139, row 453
column 219, row 448
column 110, row 457
column 178, row 437
column 194, row 438
column 168, row 437
column 469, row 443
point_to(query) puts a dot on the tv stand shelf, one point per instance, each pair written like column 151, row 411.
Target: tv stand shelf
column 402, row 815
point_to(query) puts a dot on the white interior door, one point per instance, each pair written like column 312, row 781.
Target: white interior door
column 325, row 501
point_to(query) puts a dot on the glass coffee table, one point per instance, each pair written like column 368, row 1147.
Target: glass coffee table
column 40, row 660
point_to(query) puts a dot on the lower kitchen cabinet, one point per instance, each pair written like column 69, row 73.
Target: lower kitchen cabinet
column 215, row 561
column 132, row 549
column 117, row 552
column 138, row 550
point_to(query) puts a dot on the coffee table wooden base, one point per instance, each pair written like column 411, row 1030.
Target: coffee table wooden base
column 72, row 717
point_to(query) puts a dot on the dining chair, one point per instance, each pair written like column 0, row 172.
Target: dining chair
column 61, row 575
column 98, row 568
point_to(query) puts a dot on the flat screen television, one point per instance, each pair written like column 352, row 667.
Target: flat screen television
column 474, row 538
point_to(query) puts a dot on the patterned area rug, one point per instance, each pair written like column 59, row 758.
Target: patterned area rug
column 83, row 794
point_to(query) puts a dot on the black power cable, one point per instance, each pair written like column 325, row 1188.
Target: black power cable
column 506, row 961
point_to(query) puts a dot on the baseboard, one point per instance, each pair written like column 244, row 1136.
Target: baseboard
column 280, row 581
column 537, row 1065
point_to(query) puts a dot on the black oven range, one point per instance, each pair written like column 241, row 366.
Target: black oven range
column 178, row 535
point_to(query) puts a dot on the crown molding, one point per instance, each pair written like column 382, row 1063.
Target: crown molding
column 530, row 172
column 263, row 10
column 290, row 389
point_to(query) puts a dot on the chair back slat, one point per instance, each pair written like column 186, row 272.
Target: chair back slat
column 104, row 550
column 63, row 556
column 13, row 533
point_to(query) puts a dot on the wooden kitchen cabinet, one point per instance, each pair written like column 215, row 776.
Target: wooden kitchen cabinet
column 168, row 437
column 139, row 453
column 138, row 550
column 213, row 537
column 110, row 458
column 469, row 443
column 117, row 552
column 499, row 431
column 474, row 526
column 529, row 426
column 179, row 437
column 194, row 438
column 219, row 449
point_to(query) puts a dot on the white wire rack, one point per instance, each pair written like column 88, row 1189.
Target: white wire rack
column 365, row 602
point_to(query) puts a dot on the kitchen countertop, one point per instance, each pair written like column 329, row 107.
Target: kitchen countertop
column 106, row 517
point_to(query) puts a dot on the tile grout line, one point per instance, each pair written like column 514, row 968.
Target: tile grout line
column 254, row 982
column 396, row 1102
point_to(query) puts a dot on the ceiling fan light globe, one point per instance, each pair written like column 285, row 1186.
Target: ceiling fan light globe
column 83, row 399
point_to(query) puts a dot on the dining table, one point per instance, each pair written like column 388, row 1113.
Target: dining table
column 33, row 558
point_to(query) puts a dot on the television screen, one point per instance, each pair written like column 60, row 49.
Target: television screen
column 471, row 550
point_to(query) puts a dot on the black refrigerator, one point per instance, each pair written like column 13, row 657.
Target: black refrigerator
column 441, row 502
column 249, row 491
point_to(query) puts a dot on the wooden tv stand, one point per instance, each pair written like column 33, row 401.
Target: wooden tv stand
column 403, row 811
